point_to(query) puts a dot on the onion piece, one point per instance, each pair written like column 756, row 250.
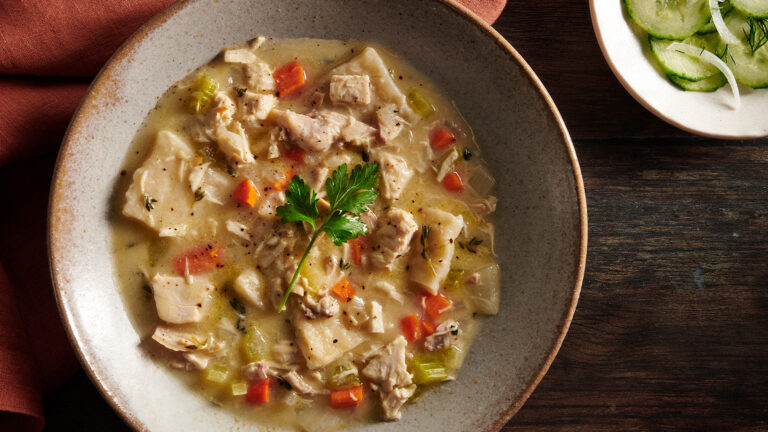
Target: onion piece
column 715, row 61
column 717, row 19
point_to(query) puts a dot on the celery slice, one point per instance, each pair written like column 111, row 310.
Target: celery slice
column 202, row 93
column 427, row 372
column 239, row 388
column 419, row 103
column 216, row 374
column 455, row 280
column 253, row 345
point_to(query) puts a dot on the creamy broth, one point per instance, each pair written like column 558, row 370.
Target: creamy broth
column 203, row 267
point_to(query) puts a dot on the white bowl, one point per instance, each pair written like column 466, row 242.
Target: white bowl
column 625, row 47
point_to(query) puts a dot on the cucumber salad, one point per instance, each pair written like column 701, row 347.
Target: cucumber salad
column 702, row 45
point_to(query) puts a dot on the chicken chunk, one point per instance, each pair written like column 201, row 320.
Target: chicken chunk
column 376, row 323
column 385, row 90
column 316, row 132
column 209, row 184
column 240, row 55
column 180, row 301
column 159, row 194
column 446, row 334
column 390, row 123
column 234, row 144
column 325, row 306
column 259, row 76
column 177, row 339
column 393, row 237
column 358, row 133
column 249, row 286
column 395, row 174
column 350, row 89
column 430, row 272
column 255, row 107
column 324, row 340
column 257, row 371
column 388, row 370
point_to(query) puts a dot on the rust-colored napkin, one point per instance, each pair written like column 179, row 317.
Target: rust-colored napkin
column 49, row 52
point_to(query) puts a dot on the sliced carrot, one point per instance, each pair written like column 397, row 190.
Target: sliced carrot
column 436, row 305
column 258, row 392
column 246, row 193
column 282, row 184
column 428, row 327
column 452, row 181
column 411, row 328
column 289, row 78
column 295, row 154
column 343, row 290
column 349, row 397
column 358, row 246
column 441, row 137
column 199, row 260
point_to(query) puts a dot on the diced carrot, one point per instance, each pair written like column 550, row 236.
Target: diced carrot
column 343, row 290
column 295, row 154
column 349, row 397
column 452, row 181
column 427, row 327
column 289, row 78
column 436, row 305
column 358, row 246
column 258, row 392
column 221, row 110
column 246, row 193
column 199, row 260
column 411, row 328
column 282, row 184
column 441, row 137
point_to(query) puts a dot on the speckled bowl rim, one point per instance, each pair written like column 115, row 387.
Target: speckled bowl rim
column 103, row 78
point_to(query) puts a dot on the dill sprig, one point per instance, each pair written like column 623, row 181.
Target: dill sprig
column 758, row 33
column 727, row 55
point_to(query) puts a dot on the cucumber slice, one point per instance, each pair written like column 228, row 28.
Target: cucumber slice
column 756, row 8
column 706, row 85
column 709, row 27
column 681, row 65
column 748, row 68
column 669, row 19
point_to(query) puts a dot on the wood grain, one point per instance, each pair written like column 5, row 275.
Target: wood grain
column 671, row 333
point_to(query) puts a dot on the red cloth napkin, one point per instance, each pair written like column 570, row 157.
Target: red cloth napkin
column 49, row 51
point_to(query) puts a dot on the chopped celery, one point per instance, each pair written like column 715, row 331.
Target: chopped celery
column 455, row 280
column 427, row 372
column 239, row 388
column 452, row 357
column 216, row 374
column 253, row 345
column 343, row 375
column 419, row 103
column 202, row 93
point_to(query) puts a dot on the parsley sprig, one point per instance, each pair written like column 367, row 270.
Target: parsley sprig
column 349, row 194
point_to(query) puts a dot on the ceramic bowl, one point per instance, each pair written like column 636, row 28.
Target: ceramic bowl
column 625, row 47
column 541, row 230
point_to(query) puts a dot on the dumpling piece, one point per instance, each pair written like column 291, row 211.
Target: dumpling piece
column 385, row 91
column 430, row 271
column 180, row 301
column 324, row 340
column 350, row 89
column 390, row 123
column 393, row 237
column 159, row 193
column 255, row 107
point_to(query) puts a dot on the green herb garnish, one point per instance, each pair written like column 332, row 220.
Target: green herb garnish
column 237, row 305
column 240, row 326
column 230, row 171
column 241, row 91
column 471, row 245
column 466, row 154
column 348, row 196
column 344, row 265
column 758, row 33
column 149, row 203
column 199, row 194
column 425, row 230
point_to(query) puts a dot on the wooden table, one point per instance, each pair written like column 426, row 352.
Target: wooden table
column 671, row 332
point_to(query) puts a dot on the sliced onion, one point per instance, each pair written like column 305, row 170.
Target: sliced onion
column 717, row 19
column 715, row 61
column 484, row 295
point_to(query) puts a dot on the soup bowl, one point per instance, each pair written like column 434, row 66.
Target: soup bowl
column 541, row 220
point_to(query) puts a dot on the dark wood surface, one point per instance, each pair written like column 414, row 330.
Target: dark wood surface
column 671, row 332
